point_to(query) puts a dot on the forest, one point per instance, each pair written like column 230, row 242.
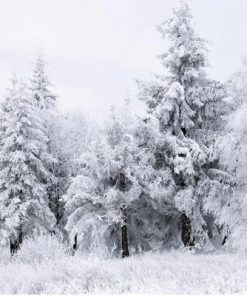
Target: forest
column 160, row 187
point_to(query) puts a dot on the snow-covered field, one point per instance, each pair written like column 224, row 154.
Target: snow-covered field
column 43, row 267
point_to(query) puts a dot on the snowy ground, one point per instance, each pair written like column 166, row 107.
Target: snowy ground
column 39, row 270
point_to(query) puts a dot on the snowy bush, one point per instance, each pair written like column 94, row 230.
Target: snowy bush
column 37, row 249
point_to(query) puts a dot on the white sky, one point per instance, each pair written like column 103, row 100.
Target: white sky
column 96, row 48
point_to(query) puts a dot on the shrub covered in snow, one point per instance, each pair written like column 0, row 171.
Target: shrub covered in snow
column 35, row 250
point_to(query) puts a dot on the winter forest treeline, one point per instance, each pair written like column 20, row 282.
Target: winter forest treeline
column 174, row 177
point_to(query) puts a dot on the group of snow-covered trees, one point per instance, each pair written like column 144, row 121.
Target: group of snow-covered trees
column 174, row 177
column 35, row 158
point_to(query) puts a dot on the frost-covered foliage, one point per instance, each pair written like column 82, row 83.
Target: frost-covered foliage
column 24, row 174
column 70, row 135
column 188, row 107
column 233, row 149
column 107, row 184
column 73, row 134
column 236, row 87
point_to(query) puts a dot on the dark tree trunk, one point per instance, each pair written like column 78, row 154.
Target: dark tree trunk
column 75, row 244
column 186, row 231
column 224, row 240
column 15, row 246
column 124, row 230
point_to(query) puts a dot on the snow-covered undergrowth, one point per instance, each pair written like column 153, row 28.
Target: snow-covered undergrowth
column 44, row 267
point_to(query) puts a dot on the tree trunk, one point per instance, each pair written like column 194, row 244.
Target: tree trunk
column 15, row 246
column 224, row 240
column 75, row 244
column 124, row 230
column 186, row 231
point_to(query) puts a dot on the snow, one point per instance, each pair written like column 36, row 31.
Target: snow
column 43, row 266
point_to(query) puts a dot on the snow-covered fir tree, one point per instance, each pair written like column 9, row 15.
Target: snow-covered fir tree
column 24, row 173
column 189, row 106
column 40, row 85
column 46, row 101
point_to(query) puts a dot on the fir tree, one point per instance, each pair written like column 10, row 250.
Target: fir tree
column 186, row 103
column 45, row 101
column 24, row 174
column 40, row 84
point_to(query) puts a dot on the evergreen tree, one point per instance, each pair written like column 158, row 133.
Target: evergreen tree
column 24, row 174
column 189, row 108
column 40, row 84
column 45, row 101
